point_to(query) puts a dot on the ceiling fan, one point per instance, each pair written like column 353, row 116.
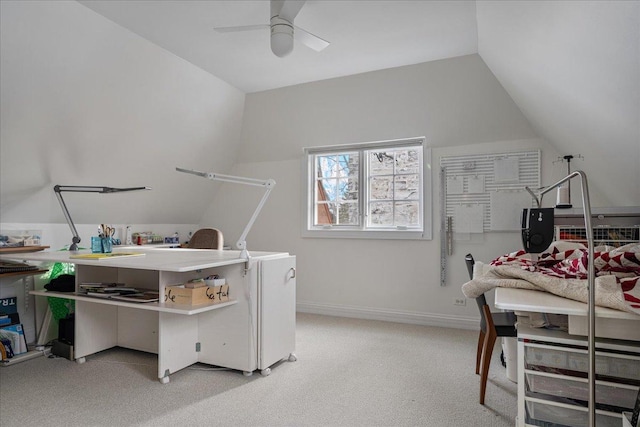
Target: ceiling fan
column 283, row 12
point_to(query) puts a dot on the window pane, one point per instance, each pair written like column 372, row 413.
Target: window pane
column 348, row 189
column 325, row 214
column 348, row 163
column 381, row 188
column 380, row 162
column 348, row 214
column 406, row 213
column 406, row 187
column 381, row 213
column 337, row 189
column 408, row 161
column 327, row 166
column 327, row 191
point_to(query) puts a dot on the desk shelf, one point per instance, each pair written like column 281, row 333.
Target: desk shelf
column 153, row 306
column 21, row 249
column 23, row 273
column 31, row 354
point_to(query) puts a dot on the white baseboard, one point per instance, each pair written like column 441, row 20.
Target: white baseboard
column 427, row 319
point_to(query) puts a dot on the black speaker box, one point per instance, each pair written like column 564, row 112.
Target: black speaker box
column 66, row 330
column 62, row 349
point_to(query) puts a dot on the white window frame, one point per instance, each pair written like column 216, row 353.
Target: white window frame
column 361, row 231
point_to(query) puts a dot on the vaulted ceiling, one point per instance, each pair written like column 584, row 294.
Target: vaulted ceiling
column 572, row 67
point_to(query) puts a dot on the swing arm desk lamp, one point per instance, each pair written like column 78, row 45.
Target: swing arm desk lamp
column 268, row 186
column 586, row 206
column 58, row 189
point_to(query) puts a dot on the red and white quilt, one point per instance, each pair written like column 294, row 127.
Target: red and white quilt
column 562, row 270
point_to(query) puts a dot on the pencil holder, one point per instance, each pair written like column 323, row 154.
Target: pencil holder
column 106, row 245
column 96, row 244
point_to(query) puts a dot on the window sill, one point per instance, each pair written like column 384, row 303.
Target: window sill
column 380, row 235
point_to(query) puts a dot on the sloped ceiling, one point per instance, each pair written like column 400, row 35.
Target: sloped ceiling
column 572, row 67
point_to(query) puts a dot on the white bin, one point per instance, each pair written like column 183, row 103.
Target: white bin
column 510, row 350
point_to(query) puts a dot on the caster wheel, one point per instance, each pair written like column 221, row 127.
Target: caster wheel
column 265, row 372
column 164, row 380
column 292, row 357
column 80, row 360
column 247, row 373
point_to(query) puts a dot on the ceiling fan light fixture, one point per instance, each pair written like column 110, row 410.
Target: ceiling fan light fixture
column 283, row 13
column 281, row 37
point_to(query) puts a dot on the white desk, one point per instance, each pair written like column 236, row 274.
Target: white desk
column 567, row 352
column 609, row 323
column 545, row 302
column 252, row 331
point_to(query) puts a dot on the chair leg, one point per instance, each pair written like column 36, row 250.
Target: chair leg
column 479, row 351
column 487, row 351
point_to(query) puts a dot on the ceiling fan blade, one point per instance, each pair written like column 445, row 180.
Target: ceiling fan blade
column 290, row 9
column 311, row 40
column 241, row 28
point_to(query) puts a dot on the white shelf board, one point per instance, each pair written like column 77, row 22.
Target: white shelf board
column 152, row 306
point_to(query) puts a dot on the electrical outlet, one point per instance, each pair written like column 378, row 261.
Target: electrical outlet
column 460, row 301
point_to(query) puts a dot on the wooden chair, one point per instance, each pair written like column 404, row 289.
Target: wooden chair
column 207, row 238
column 492, row 326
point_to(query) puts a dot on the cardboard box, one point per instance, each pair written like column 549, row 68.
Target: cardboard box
column 179, row 294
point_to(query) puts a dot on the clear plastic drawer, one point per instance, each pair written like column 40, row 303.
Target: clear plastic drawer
column 608, row 365
column 579, row 390
column 546, row 357
column 540, row 413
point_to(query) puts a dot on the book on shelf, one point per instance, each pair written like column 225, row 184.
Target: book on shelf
column 9, row 311
column 148, row 296
column 15, row 267
column 13, row 339
column 95, row 285
column 109, row 292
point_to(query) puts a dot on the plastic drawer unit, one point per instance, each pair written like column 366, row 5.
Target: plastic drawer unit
column 553, row 388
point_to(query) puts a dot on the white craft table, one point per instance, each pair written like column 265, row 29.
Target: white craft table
column 542, row 395
column 252, row 331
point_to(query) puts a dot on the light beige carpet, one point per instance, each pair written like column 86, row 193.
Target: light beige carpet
column 349, row 372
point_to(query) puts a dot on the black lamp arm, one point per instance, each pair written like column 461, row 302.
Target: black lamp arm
column 58, row 189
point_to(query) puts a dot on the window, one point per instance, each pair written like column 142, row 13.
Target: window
column 371, row 190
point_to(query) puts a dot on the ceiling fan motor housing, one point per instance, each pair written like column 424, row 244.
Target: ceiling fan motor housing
column 281, row 36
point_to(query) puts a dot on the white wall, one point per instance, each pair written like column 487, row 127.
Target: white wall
column 87, row 102
column 460, row 108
